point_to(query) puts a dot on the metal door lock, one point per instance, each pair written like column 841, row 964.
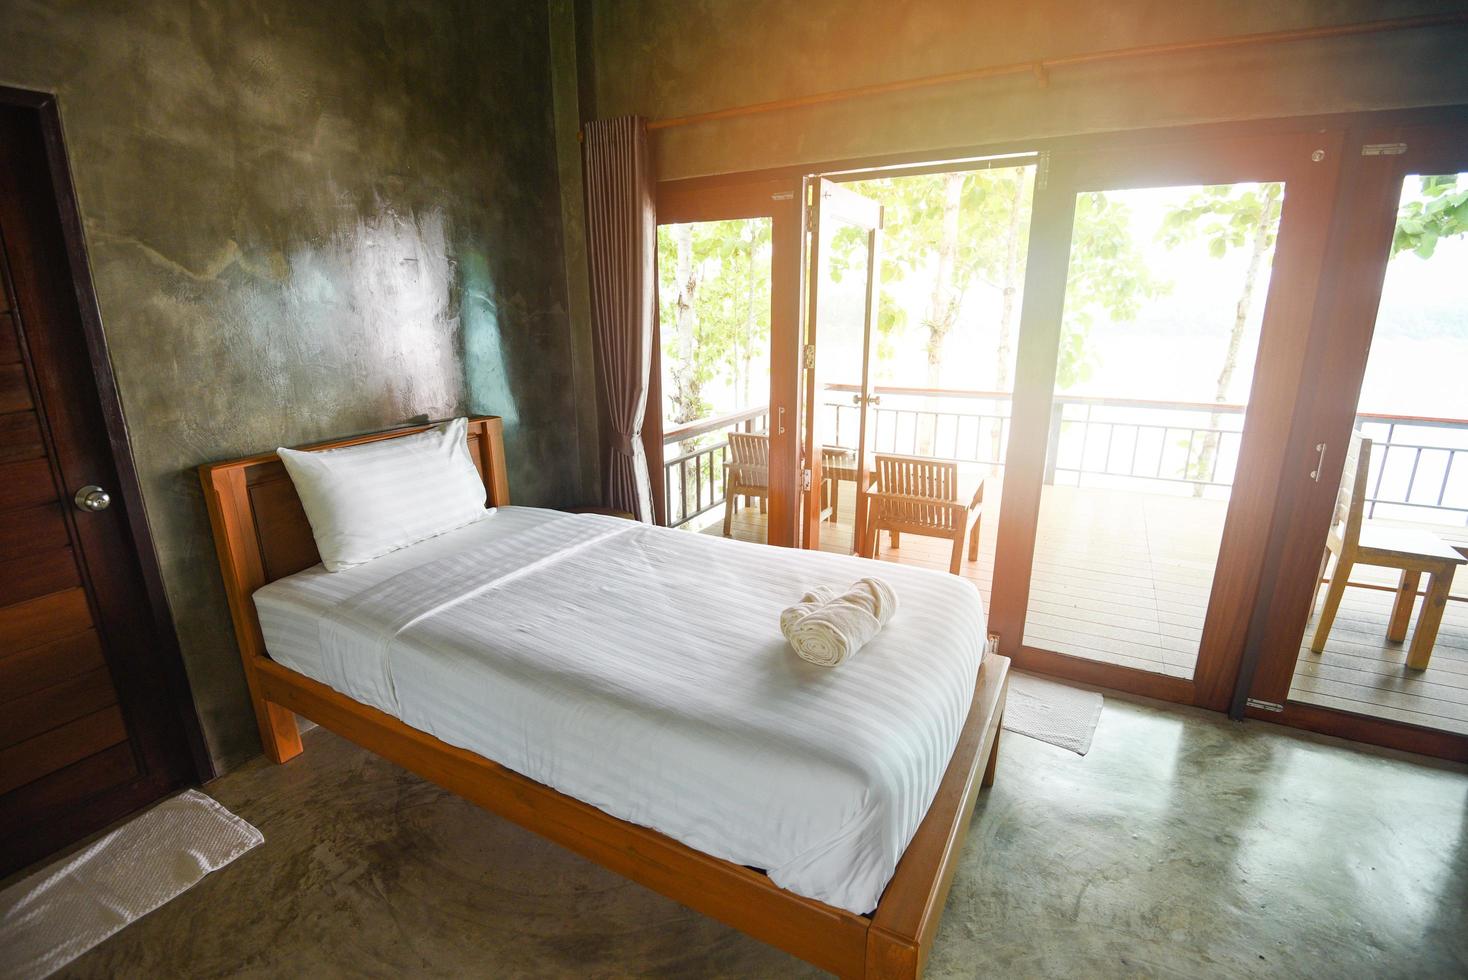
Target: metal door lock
column 92, row 498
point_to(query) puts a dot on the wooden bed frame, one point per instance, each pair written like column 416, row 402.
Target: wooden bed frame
column 262, row 534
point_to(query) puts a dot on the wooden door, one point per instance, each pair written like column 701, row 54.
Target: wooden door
column 90, row 727
column 841, row 294
column 1117, row 519
column 1359, row 685
column 689, row 485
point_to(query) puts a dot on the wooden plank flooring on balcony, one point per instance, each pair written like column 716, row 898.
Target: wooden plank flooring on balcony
column 1124, row 577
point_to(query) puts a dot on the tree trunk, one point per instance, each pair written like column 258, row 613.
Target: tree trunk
column 1011, row 284
column 943, row 302
column 749, row 318
column 1259, row 247
column 685, row 378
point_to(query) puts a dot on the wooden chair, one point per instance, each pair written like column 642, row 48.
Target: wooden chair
column 918, row 495
column 1413, row 550
column 837, row 464
column 746, row 473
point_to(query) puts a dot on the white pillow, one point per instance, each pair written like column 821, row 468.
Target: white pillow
column 365, row 501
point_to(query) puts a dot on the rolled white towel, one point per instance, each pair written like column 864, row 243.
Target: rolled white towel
column 827, row 629
column 875, row 596
column 808, row 604
column 830, row 635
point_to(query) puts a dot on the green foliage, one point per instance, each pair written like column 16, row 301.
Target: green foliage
column 1107, row 276
column 913, row 234
column 1421, row 224
column 1225, row 216
column 715, row 321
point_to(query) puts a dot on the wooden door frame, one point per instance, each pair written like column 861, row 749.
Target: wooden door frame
column 1308, row 164
column 1220, row 686
column 825, row 196
column 43, row 108
column 776, row 199
column 1344, row 322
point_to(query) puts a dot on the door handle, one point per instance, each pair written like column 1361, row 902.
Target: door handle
column 1319, row 463
column 92, row 498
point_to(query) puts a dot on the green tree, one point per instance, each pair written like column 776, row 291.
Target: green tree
column 1227, row 216
column 714, row 311
column 959, row 229
column 1106, row 277
column 1443, row 213
column 955, row 229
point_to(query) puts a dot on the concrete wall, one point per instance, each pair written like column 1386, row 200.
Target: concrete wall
column 305, row 220
column 662, row 58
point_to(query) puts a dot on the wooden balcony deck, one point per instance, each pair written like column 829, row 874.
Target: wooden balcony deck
column 1124, row 577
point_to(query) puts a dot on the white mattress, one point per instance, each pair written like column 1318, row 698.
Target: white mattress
column 642, row 670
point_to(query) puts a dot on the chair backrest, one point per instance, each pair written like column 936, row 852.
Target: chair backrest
column 917, row 476
column 749, row 449
column 1350, row 499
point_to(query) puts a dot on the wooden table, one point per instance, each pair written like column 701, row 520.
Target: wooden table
column 1422, row 553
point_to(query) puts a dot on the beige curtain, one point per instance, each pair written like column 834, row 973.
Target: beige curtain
column 621, row 237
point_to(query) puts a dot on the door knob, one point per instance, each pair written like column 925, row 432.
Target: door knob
column 92, row 498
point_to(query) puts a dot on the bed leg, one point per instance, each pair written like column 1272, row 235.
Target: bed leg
column 993, row 763
column 280, row 737
column 890, row 957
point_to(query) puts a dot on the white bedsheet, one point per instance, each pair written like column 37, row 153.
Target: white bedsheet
column 642, row 670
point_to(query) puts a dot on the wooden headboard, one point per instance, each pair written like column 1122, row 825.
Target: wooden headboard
column 261, row 531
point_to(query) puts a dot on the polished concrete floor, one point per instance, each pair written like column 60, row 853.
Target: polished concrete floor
column 1182, row 845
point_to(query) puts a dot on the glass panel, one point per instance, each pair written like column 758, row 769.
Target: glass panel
column 953, row 267
column 1414, row 410
column 841, row 298
column 714, row 321
column 1164, row 299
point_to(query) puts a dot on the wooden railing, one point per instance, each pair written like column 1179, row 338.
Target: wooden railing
column 693, row 478
column 1389, row 450
column 1147, row 439
column 1121, row 438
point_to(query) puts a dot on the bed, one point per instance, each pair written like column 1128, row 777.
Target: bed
column 618, row 689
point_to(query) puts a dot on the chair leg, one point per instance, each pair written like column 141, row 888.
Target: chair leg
column 1337, row 589
column 1439, row 582
column 762, row 505
column 730, row 502
column 973, row 540
column 955, row 564
column 896, row 539
column 1396, row 628
column 874, row 541
column 1319, row 577
column 835, row 500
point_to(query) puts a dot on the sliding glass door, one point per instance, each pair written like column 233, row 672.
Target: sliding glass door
column 1367, row 624
column 1159, row 354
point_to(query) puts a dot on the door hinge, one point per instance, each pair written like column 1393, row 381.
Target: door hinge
column 1383, row 149
column 808, row 356
column 810, row 219
column 993, row 644
column 805, row 478
column 1264, row 705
